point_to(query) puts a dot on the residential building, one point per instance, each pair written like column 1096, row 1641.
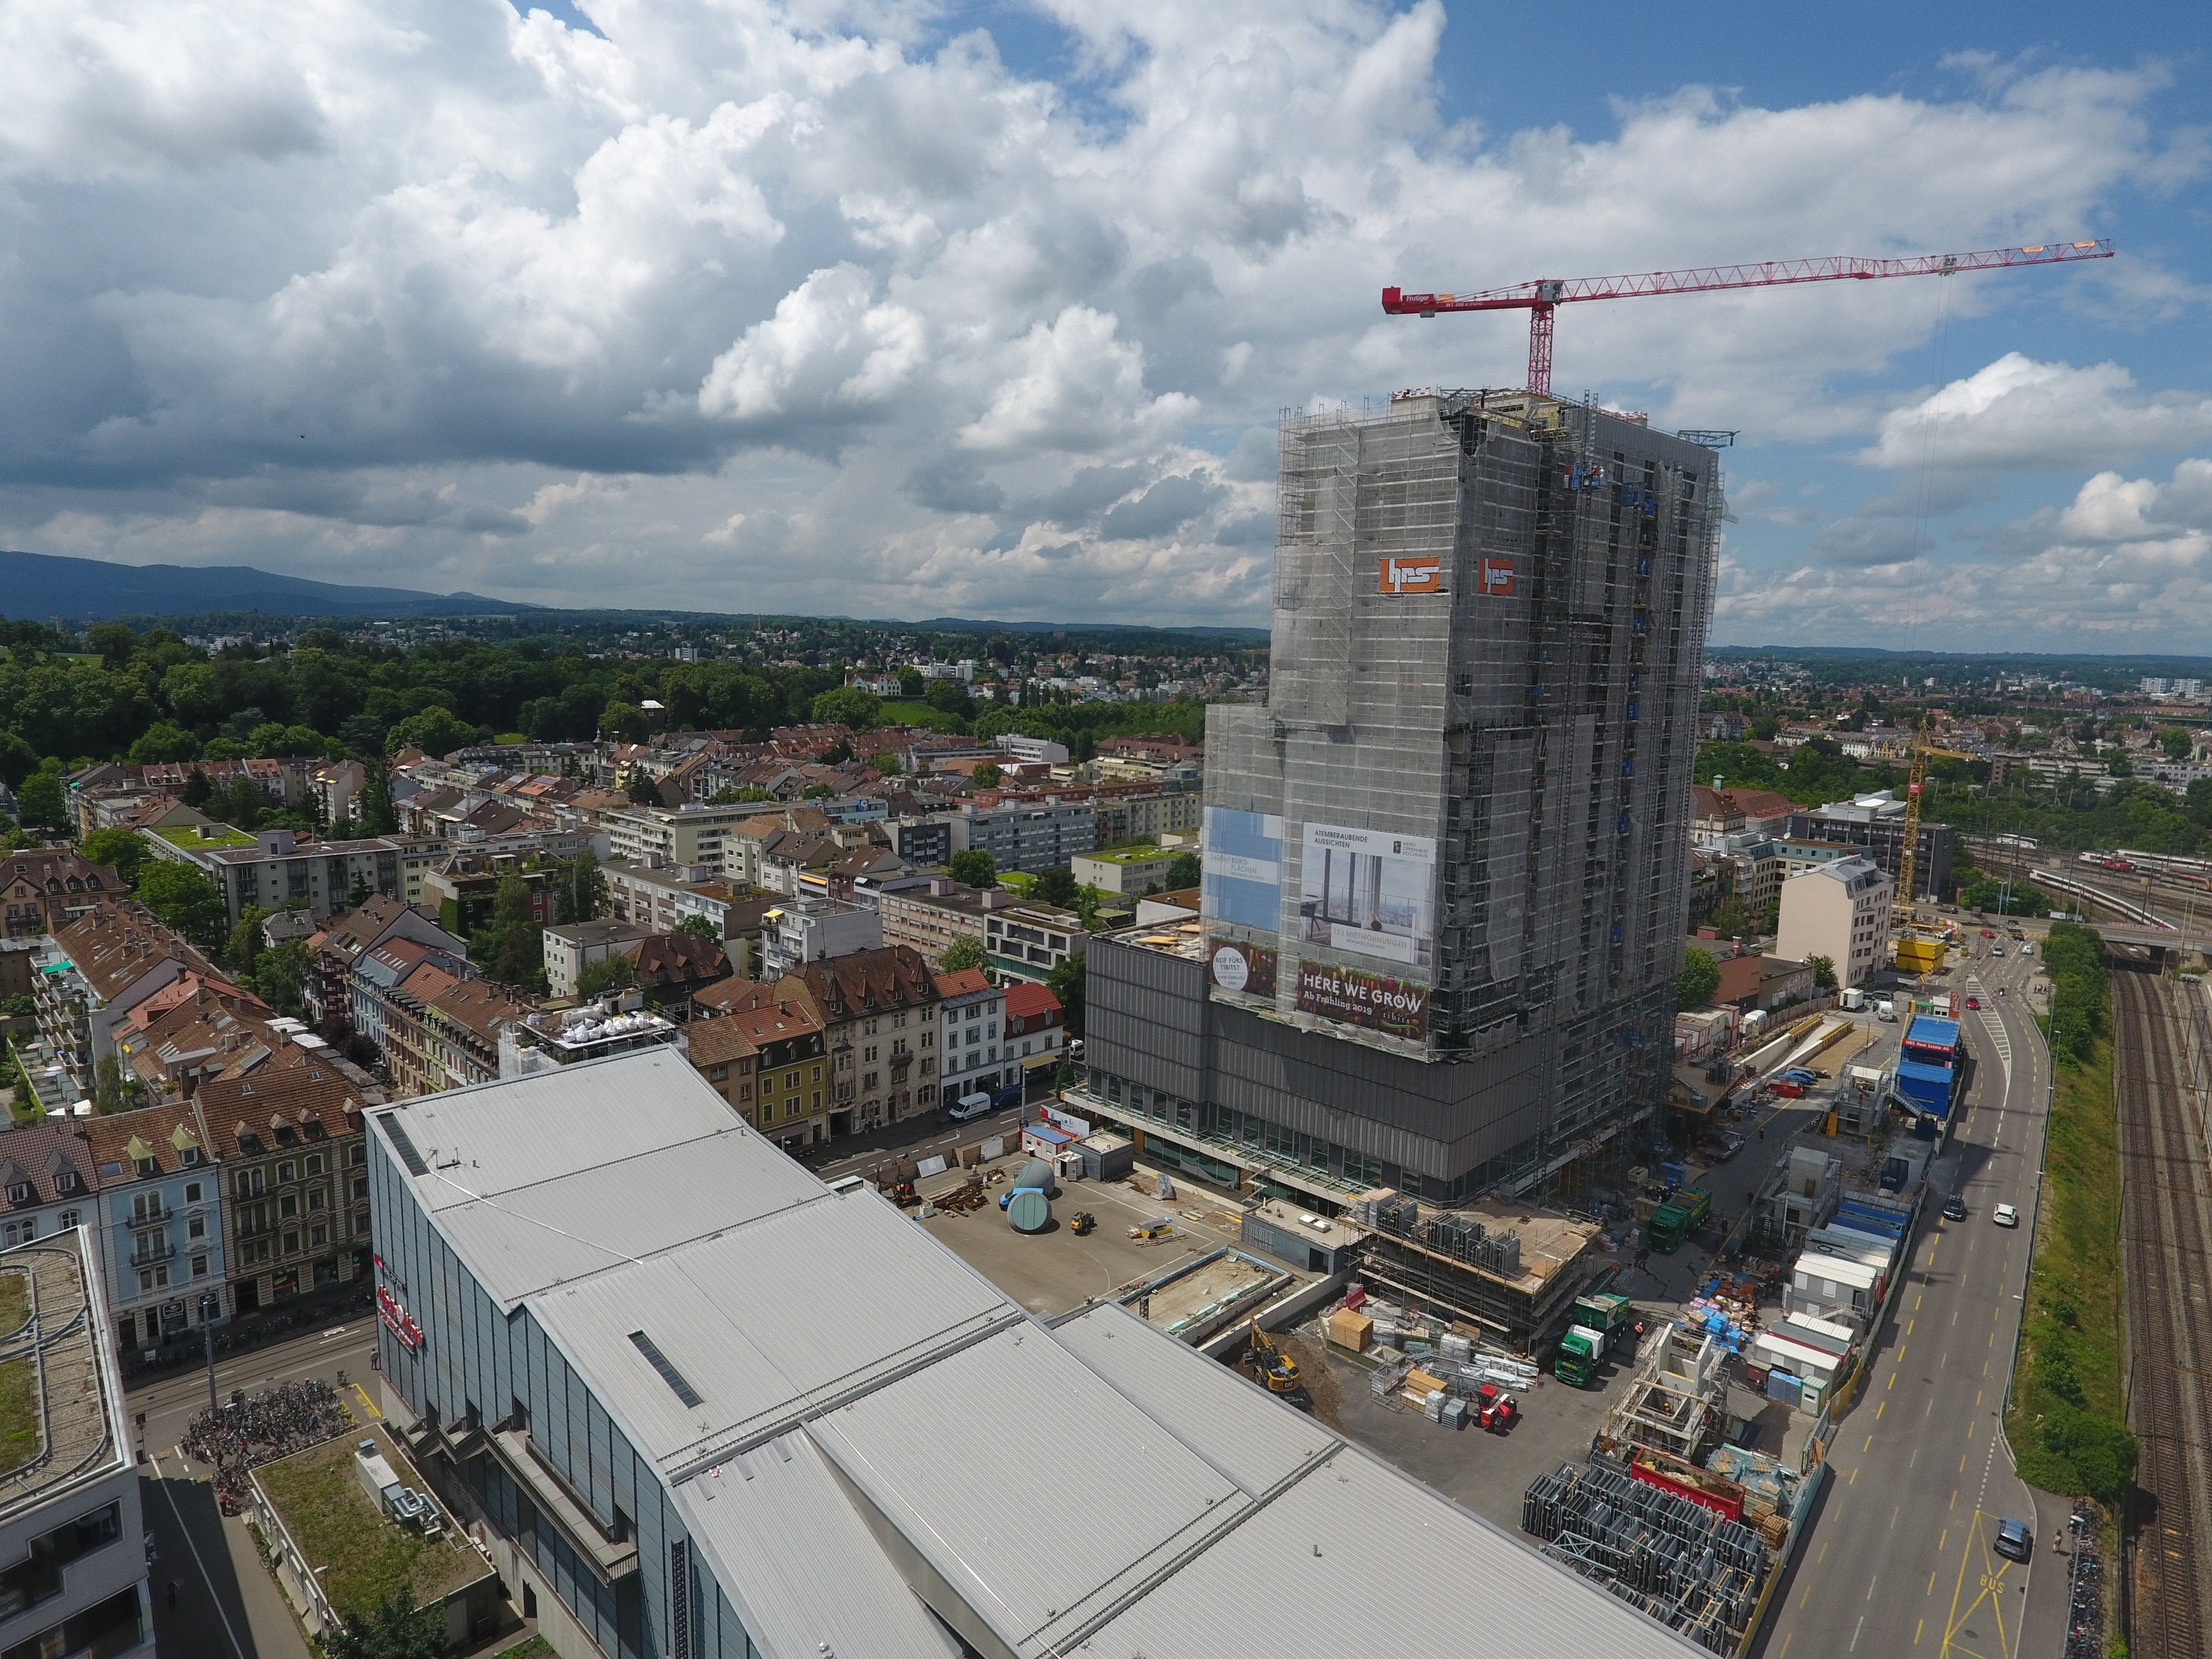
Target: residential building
column 574, row 946
column 1169, row 909
column 379, row 920
column 928, row 919
column 745, row 844
column 462, row 890
column 377, row 999
column 809, row 929
column 766, row 1059
column 46, row 888
column 671, row 967
column 464, row 1024
column 1447, row 859
column 658, row 836
column 749, row 1429
column 1129, row 871
column 721, row 1053
column 192, row 1027
column 273, row 868
column 1028, row 941
column 46, row 1184
column 1873, row 824
column 1840, row 910
column 1126, row 813
column 1723, row 816
column 1030, row 836
column 336, row 786
column 877, row 1013
column 970, row 1010
column 102, row 967
column 1036, row 1036
column 657, row 899
column 1036, row 751
column 1752, row 980
column 295, row 1201
column 71, row 1533
column 160, row 1223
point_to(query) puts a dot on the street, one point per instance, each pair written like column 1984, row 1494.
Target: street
column 1901, row 1557
column 226, row 1606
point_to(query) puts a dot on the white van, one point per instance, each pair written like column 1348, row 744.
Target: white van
column 1885, row 1010
column 970, row 1108
column 1852, row 999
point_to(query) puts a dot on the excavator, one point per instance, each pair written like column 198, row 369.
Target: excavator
column 1270, row 1363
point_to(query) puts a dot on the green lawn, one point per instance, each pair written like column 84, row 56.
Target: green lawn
column 19, row 1414
column 2066, row 1401
column 334, row 1524
column 14, row 1302
column 187, row 838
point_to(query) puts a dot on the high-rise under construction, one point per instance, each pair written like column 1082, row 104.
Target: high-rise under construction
column 1446, row 861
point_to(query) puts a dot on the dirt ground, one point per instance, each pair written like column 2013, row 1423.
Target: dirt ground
column 1322, row 1391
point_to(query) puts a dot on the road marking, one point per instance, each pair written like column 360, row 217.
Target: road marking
column 1909, row 1324
column 1854, row 1480
column 1871, row 1582
column 1892, row 1379
column 1856, row 1628
column 1917, row 1623
column 1931, row 1573
column 1824, row 1550
column 368, row 1405
column 1939, row 1543
column 1784, row 1654
column 1878, row 1409
column 193, row 1544
column 1864, row 1450
column 1917, row 1300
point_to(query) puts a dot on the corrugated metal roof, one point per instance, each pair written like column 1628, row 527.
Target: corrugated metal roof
column 1254, row 1439
column 797, row 1562
column 1040, row 1541
column 1359, row 1558
column 750, row 1317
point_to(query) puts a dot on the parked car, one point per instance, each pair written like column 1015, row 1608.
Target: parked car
column 1973, row 1002
column 1954, row 1208
column 1799, row 1074
column 1787, row 1090
column 2014, row 1539
column 971, row 1107
column 2005, row 1216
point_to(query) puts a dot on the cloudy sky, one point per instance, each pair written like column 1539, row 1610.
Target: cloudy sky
column 883, row 308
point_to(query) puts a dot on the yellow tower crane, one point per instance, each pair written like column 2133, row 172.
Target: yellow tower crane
column 1917, row 951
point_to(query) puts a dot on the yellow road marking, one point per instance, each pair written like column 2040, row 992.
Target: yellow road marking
column 1917, row 1623
column 367, row 1405
column 1944, row 1540
column 1880, row 1409
column 1892, row 1380
column 1854, row 1480
column 1909, row 1324
column 1931, row 1585
column 1863, row 1449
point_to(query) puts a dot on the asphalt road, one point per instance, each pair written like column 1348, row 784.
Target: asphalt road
column 1902, row 1555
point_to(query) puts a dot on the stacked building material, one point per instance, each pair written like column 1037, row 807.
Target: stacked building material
column 1692, row 1568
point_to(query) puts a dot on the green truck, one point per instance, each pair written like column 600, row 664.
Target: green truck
column 1600, row 1323
column 1677, row 1219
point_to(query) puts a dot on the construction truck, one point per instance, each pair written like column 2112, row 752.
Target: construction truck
column 1677, row 1219
column 1269, row 1363
column 1601, row 1324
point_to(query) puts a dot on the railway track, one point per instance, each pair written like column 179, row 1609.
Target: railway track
column 2165, row 1229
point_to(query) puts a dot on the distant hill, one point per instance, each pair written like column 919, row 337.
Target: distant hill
column 40, row 586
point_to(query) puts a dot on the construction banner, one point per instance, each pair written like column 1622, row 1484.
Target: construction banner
column 1352, row 996
column 1242, row 969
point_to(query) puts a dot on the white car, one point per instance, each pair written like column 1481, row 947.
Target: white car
column 2005, row 1216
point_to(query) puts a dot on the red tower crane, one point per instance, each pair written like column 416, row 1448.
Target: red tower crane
column 1540, row 298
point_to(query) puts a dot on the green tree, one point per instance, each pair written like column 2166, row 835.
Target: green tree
column 988, row 776
column 2175, row 741
column 183, row 898
column 511, row 947
column 107, row 1084
column 435, row 731
column 704, row 928
column 888, row 764
column 241, row 807
column 950, row 697
column 40, row 800
column 582, row 894
column 1055, row 886
column 614, row 973
column 246, row 943
column 1088, row 899
column 1186, row 872
column 394, row 1629
column 738, row 796
column 643, row 789
column 625, row 722
column 279, row 975
column 122, row 850
column 849, row 706
column 964, row 952
column 911, row 683
column 1066, row 982
column 974, row 868
column 163, row 741
column 199, row 789
column 375, row 812
column 1824, row 972
column 1699, row 978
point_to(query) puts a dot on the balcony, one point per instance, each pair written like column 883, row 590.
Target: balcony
column 150, row 1250
column 150, row 1219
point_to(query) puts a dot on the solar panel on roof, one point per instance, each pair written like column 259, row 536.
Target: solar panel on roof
column 405, row 1147
column 675, row 1379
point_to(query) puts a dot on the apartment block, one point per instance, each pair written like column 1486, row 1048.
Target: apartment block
column 1873, row 824
column 1029, row 837
column 1840, row 910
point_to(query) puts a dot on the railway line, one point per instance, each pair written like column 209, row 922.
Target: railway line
column 2165, row 1229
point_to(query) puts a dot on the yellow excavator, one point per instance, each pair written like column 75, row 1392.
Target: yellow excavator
column 1270, row 1363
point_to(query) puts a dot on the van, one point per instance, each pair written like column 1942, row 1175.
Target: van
column 1885, row 1010
column 1853, row 999
column 971, row 1107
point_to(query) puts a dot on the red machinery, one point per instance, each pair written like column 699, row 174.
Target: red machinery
column 1543, row 296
